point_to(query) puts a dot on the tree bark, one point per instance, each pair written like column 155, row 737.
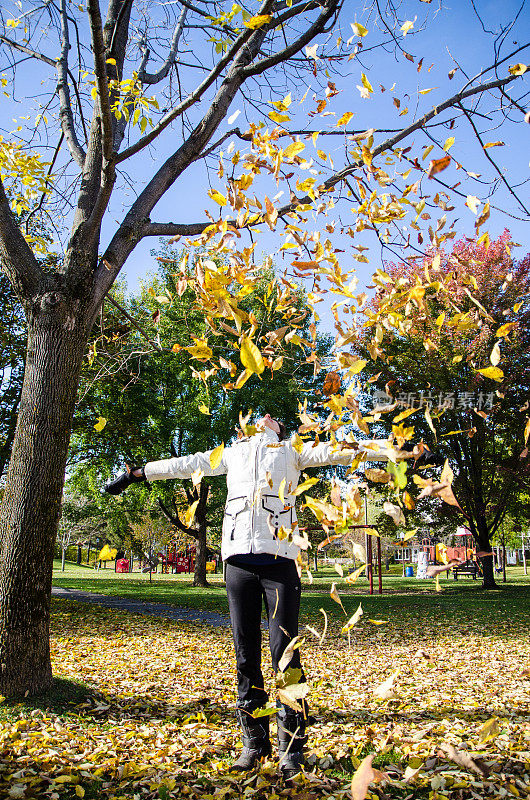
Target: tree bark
column 31, row 505
column 199, row 575
column 483, row 542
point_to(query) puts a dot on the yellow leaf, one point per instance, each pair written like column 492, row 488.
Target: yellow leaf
column 276, row 117
column 100, row 424
column 346, row 117
column 358, row 29
column 490, row 730
column 335, row 596
column 218, row 197
column 495, row 355
column 426, row 91
column 495, row 373
column 303, row 487
column 297, row 443
column 472, row 203
column 281, row 490
column 80, row 792
column 242, row 378
column 352, row 577
column 527, row 430
column 407, row 26
column 338, row 569
column 379, row 621
column 216, row 456
column 449, row 142
column 493, row 144
column 366, row 83
column 204, row 410
column 251, row 357
column 505, row 329
column 357, row 367
column 517, row 69
column 409, row 535
column 293, row 149
column 258, row 21
column 353, row 620
column 189, row 514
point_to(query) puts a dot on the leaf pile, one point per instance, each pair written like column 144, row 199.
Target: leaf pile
column 156, row 716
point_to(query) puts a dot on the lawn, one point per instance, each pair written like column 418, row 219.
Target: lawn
column 142, row 707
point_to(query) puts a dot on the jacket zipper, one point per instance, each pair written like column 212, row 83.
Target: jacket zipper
column 254, row 500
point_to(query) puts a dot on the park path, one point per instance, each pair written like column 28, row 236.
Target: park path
column 177, row 613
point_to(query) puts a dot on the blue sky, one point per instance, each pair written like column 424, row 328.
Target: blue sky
column 453, row 36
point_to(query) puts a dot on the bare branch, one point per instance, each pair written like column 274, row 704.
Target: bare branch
column 66, row 115
column 16, row 257
column 156, row 77
column 492, row 162
column 333, row 7
column 100, row 69
column 28, row 51
column 133, row 322
column 190, row 100
column 173, row 229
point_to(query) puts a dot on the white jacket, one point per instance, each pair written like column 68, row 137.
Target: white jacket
column 254, row 512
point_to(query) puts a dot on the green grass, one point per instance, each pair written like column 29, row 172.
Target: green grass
column 461, row 601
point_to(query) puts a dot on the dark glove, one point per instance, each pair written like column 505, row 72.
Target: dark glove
column 119, row 484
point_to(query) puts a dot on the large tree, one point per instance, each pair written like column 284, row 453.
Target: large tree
column 447, row 384
column 97, row 120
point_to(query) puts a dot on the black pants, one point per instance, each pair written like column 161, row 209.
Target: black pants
column 247, row 586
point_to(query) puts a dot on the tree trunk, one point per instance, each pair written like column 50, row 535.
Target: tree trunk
column 30, row 511
column 199, row 575
column 484, row 544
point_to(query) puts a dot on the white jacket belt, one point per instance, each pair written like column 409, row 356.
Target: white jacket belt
column 254, row 512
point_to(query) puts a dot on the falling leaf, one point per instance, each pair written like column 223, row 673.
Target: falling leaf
column 352, row 577
column 251, row 357
column 288, row 653
column 100, row 424
column 205, row 410
column 495, row 355
column 345, row 118
column 378, row 621
column 232, row 118
column 358, row 29
column 218, row 197
column 406, row 27
column 437, row 165
column 353, row 620
column 364, row 775
column 377, row 475
column 335, row 596
column 517, row 69
column 331, row 383
column 493, row 144
column 216, row 456
column 311, row 52
column 395, row 512
column 325, row 625
column 472, row 203
column 495, row 373
column 281, row 490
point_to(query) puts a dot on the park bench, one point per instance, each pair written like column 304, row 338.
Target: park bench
column 467, row 568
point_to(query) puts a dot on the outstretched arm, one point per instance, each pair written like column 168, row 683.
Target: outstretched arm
column 325, row 454
column 183, row 467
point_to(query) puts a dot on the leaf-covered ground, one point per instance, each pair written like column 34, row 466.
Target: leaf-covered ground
column 144, row 708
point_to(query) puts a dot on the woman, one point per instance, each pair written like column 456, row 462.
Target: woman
column 260, row 556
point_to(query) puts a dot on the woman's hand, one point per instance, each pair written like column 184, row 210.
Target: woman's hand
column 119, row 484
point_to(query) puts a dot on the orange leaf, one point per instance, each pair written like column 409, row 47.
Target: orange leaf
column 438, row 165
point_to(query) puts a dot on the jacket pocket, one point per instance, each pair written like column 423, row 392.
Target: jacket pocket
column 279, row 514
column 234, row 507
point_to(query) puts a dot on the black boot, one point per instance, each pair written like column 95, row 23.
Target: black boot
column 291, row 739
column 255, row 738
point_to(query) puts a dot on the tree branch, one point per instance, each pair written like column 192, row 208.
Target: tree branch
column 173, row 229
column 147, row 78
column 65, row 113
column 16, row 257
column 316, row 28
column 240, row 42
column 133, row 322
column 100, row 69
